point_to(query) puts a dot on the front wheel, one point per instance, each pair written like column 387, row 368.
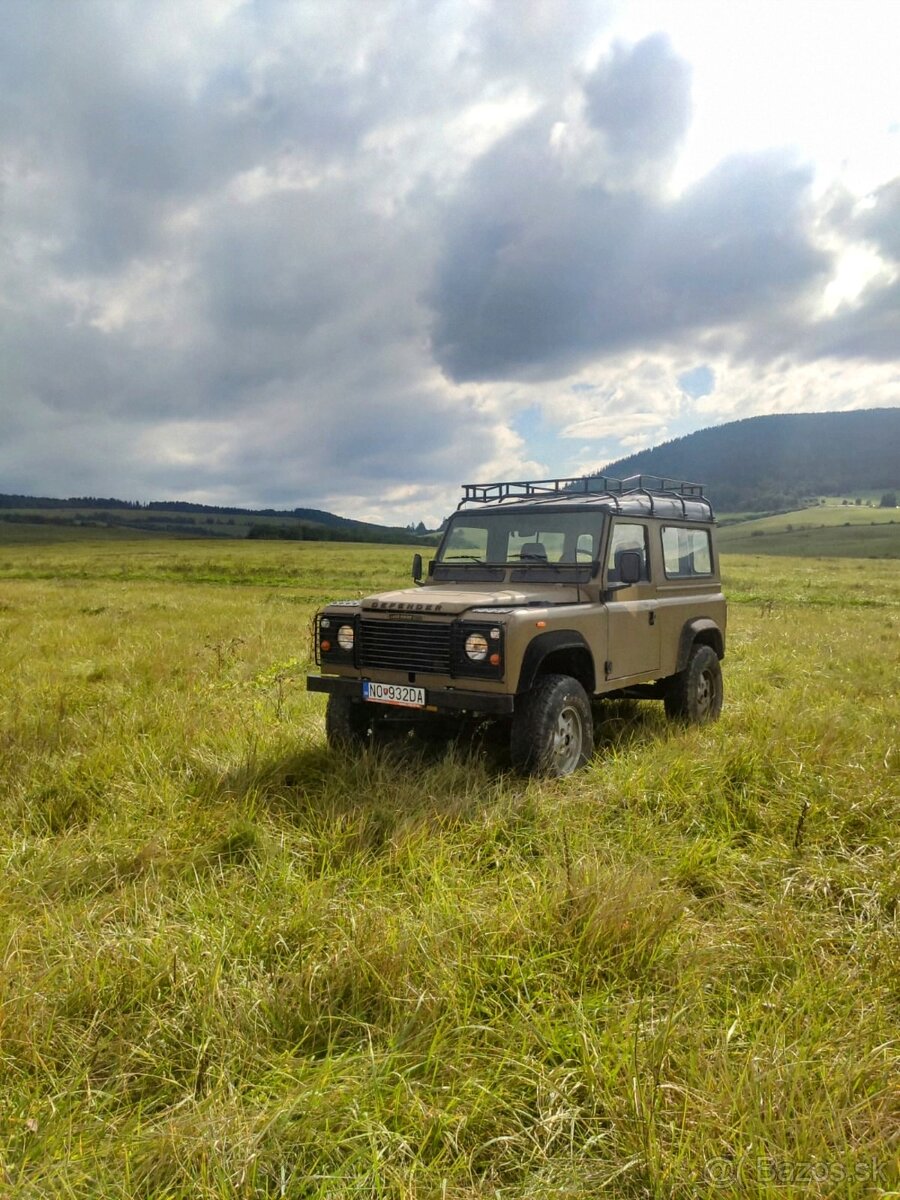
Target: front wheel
column 348, row 723
column 552, row 728
column 695, row 694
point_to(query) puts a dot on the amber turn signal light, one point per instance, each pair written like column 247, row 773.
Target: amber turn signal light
column 326, row 646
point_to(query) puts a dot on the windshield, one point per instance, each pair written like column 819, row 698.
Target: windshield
column 523, row 539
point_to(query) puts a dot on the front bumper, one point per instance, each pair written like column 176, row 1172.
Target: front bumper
column 451, row 699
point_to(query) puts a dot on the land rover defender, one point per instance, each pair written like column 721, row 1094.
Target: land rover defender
column 543, row 595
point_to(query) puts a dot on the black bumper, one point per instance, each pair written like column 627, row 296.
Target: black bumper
column 440, row 698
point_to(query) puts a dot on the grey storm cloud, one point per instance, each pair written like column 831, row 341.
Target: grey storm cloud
column 177, row 317
column 880, row 223
column 124, row 138
column 640, row 98
column 868, row 327
column 529, row 39
column 541, row 272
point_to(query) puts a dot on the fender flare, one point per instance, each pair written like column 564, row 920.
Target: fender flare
column 545, row 644
column 689, row 634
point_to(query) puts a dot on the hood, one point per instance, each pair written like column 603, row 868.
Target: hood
column 453, row 599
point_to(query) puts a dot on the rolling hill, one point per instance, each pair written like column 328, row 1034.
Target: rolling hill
column 777, row 462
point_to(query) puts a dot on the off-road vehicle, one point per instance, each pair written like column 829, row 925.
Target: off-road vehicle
column 543, row 595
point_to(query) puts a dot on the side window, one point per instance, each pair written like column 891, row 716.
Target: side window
column 584, row 548
column 686, row 552
column 626, row 537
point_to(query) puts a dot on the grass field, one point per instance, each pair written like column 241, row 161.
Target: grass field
column 234, row 965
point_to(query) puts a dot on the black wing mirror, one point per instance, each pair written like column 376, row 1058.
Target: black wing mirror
column 630, row 567
column 417, row 568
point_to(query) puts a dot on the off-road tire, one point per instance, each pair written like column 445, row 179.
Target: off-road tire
column 348, row 723
column 552, row 728
column 694, row 695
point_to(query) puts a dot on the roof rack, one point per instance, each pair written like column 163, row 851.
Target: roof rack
column 601, row 489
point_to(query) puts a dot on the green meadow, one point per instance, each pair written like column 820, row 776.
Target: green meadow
column 830, row 530
column 235, row 964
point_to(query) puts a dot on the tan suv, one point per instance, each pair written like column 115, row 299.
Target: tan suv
column 543, row 594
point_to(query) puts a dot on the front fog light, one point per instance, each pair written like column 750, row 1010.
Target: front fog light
column 345, row 638
column 476, row 647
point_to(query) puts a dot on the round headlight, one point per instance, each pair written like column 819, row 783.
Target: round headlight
column 476, row 646
column 345, row 638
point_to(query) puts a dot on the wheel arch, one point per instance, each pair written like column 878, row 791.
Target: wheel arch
column 702, row 631
column 561, row 651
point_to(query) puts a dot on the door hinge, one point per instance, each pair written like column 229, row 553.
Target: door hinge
column 607, row 667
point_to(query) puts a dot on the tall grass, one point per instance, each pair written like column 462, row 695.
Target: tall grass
column 234, row 964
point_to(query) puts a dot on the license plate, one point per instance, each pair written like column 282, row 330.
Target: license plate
column 394, row 693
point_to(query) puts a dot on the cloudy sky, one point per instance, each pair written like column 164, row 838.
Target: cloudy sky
column 349, row 255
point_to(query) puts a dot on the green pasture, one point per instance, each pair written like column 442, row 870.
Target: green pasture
column 826, row 531
column 828, row 516
column 237, row 965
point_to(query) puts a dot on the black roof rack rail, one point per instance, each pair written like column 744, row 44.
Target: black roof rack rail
column 592, row 487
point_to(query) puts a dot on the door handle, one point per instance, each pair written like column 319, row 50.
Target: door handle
column 652, row 616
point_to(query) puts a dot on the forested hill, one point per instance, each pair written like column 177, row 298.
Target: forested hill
column 764, row 463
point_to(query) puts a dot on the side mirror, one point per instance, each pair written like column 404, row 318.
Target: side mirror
column 417, row 568
column 629, row 567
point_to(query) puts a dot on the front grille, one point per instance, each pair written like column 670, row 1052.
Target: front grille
column 405, row 645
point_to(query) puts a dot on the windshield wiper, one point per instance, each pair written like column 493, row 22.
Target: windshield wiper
column 531, row 561
column 463, row 558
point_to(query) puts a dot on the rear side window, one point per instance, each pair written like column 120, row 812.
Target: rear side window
column 686, row 552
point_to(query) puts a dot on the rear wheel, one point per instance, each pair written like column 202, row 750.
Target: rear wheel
column 695, row 694
column 552, row 728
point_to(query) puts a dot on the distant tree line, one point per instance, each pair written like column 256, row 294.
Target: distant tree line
column 185, row 512
column 13, row 501
column 10, row 500
column 321, row 533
